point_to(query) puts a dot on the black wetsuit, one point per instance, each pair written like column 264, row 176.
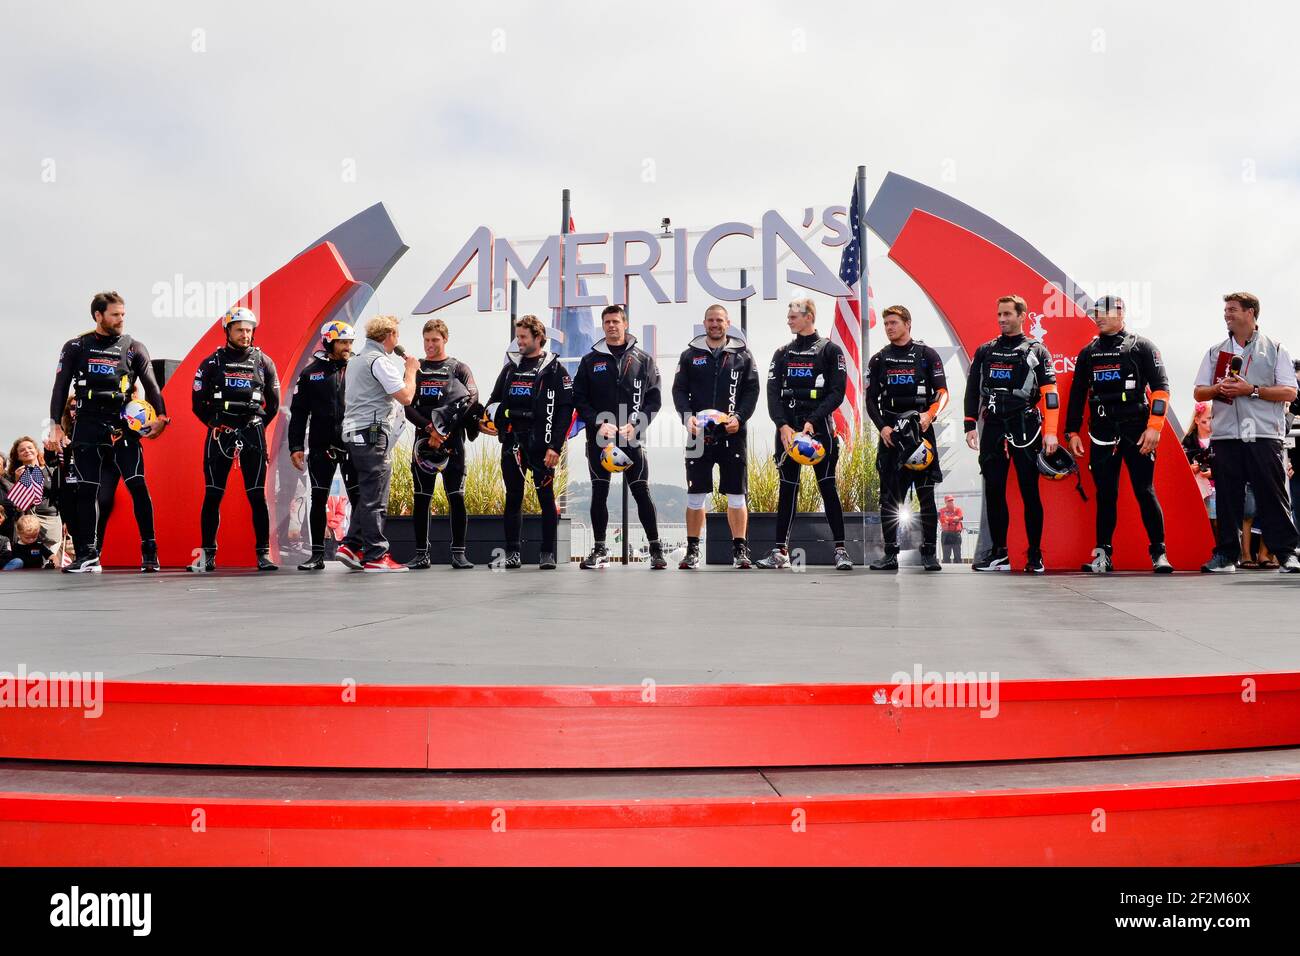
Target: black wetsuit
column 806, row 383
column 318, row 402
column 236, row 392
column 901, row 379
column 724, row 379
column 1112, row 375
column 102, row 371
column 618, row 385
column 534, row 417
column 1003, row 389
column 432, row 383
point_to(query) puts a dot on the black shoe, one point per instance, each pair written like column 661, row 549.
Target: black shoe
column 545, row 561
column 513, row 561
column 1160, row 564
column 740, row 557
column 1218, row 564
column 149, row 557
column 315, row 563
column 657, row 560
column 1290, row 566
column 87, row 565
column 692, row 559
column 929, row 562
column 779, row 558
column 996, row 561
column 1034, row 565
column 264, row 562
column 459, row 562
column 888, row 563
column 206, row 564
column 420, row 562
column 1101, row 563
column 598, row 558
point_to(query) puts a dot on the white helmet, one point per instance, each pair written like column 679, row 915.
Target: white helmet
column 238, row 314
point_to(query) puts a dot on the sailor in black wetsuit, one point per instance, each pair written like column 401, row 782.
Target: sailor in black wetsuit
column 905, row 378
column 236, row 392
column 102, row 367
column 805, row 386
column 1009, row 376
column 1112, row 376
column 616, row 390
column 716, row 373
column 444, row 393
column 320, row 451
column 532, row 402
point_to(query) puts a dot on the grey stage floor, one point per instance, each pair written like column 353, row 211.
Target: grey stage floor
column 261, row 784
column 91, row 779
column 623, row 625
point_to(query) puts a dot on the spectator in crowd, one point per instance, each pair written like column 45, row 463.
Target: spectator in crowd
column 1200, row 455
column 31, row 491
column 5, row 540
column 952, row 522
column 29, row 551
column 1293, row 451
column 6, row 522
column 1251, row 380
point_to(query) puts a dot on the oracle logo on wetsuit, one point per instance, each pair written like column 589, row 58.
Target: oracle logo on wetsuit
column 799, row 370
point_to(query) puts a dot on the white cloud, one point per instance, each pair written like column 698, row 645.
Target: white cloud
column 1122, row 165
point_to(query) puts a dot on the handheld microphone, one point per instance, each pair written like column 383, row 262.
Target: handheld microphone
column 401, row 353
column 1234, row 367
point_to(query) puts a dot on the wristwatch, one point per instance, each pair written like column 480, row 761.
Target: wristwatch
column 1255, row 392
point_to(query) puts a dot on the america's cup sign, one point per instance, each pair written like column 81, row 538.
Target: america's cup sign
column 636, row 254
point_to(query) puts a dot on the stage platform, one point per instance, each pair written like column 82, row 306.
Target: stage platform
column 620, row 716
column 622, row 626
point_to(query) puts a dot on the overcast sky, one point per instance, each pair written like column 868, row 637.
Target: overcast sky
column 1152, row 147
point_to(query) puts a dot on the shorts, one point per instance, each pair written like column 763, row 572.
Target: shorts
column 729, row 455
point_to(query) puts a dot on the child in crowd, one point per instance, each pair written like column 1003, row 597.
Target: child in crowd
column 28, row 551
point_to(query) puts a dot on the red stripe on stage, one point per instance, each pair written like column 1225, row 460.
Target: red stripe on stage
column 676, row 726
column 1247, row 821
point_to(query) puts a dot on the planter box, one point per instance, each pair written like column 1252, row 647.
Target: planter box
column 808, row 532
column 483, row 539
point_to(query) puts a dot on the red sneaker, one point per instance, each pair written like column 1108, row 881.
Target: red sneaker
column 348, row 557
column 384, row 565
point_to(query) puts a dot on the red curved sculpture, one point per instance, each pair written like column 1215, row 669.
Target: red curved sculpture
column 963, row 274
column 291, row 304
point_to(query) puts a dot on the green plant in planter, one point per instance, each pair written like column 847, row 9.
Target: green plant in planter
column 485, row 492
column 855, row 477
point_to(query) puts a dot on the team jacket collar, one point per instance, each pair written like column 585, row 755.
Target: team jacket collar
column 602, row 346
column 701, row 342
column 515, row 356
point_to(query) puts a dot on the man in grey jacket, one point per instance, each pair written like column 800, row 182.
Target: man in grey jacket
column 374, row 387
column 1251, row 380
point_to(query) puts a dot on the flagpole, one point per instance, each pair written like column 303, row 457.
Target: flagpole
column 864, row 303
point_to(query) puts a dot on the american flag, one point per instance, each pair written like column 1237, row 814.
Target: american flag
column 847, row 330
column 29, row 489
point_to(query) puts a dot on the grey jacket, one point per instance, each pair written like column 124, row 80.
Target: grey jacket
column 1250, row 418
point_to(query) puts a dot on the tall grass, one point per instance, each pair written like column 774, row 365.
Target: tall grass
column 485, row 492
column 855, row 478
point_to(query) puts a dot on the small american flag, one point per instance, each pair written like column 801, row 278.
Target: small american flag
column 29, row 489
column 847, row 330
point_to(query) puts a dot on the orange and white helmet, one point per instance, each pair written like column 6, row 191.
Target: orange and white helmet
column 239, row 314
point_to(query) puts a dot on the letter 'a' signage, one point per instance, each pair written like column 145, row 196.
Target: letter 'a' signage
column 635, row 253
